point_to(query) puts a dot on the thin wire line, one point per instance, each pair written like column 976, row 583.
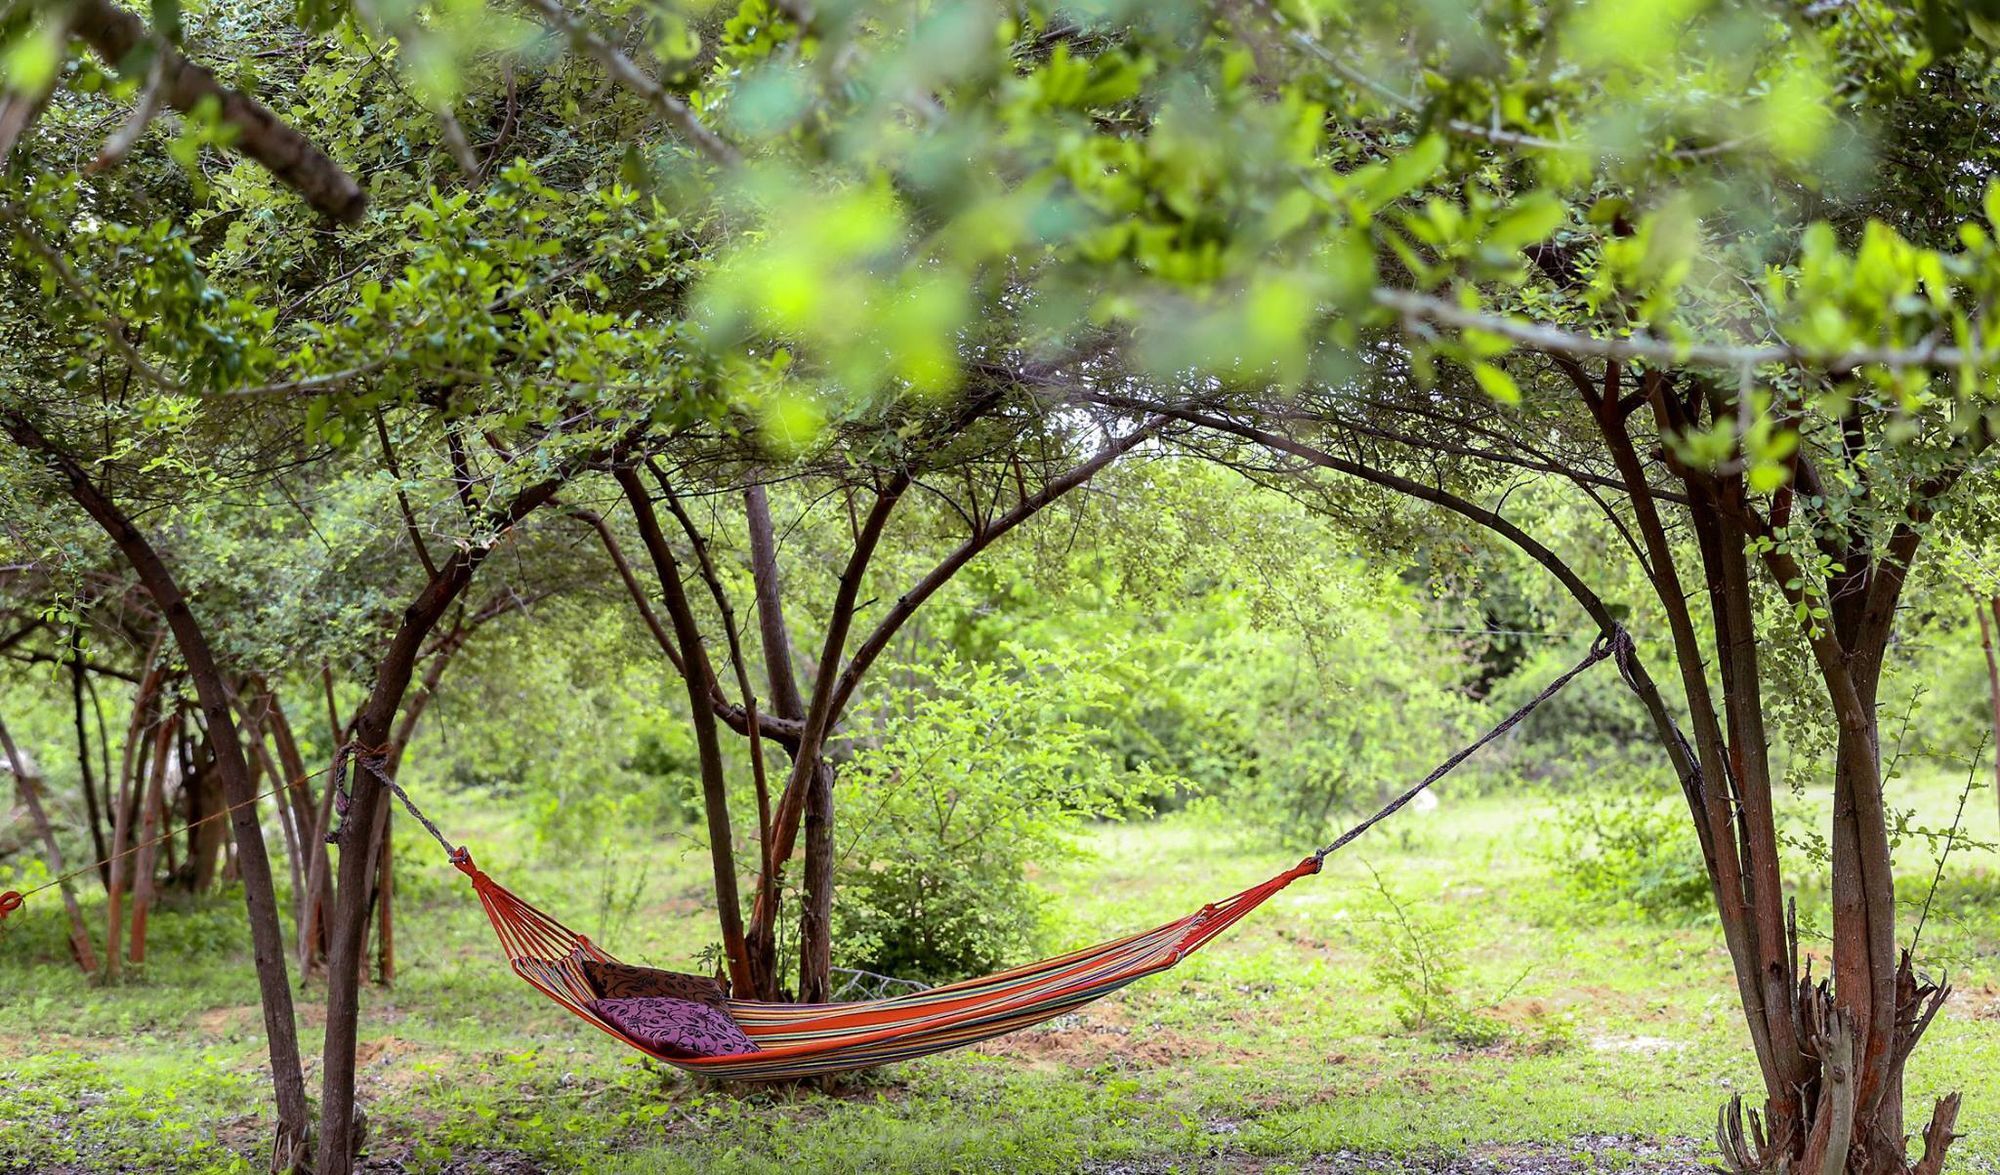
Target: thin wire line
column 171, row 833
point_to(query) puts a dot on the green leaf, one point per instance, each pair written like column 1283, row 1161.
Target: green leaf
column 30, row 61
column 1496, row 383
column 1405, row 173
column 1530, row 221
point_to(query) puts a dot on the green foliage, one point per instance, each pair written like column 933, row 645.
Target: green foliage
column 1593, row 728
column 971, row 778
column 1419, row 960
column 1264, row 665
column 1619, row 850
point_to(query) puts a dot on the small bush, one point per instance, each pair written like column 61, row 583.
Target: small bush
column 1418, row 959
column 1629, row 851
column 970, row 776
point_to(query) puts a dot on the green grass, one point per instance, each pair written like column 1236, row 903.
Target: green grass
column 1273, row 1046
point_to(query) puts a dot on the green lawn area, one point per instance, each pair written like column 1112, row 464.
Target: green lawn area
column 1588, row 1039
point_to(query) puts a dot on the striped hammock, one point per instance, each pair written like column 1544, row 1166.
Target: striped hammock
column 801, row 1040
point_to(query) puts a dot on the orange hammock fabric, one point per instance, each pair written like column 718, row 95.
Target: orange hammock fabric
column 800, row 1040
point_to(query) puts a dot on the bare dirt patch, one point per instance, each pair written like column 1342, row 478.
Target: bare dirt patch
column 1107, row 1037
column 221, row 1022
column 480, row 1162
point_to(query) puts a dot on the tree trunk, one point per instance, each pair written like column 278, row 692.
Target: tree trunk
column 775, row 634
column 124, row 808
column 816, row 907
column 261, row 766
column 84, row 773
column 27, row 784
column 208, row 847
column 152, row 809
column 385, row 905
column 699, row 678
column 316, row 896
column 267, row 943
column 371, row 733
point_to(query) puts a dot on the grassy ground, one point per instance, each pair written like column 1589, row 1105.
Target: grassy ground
column 1575, row 1037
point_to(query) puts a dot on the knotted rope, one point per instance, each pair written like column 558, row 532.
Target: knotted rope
column 375, row 760
column 1616, row 644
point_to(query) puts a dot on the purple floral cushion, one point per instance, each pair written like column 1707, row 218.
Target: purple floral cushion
column 675, row 1028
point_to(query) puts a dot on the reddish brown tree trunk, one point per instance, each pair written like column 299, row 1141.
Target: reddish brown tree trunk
column 152, row 808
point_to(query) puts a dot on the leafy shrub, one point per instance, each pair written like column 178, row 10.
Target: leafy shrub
column 1625, row 850
column 970, row 776
column 1418, row 959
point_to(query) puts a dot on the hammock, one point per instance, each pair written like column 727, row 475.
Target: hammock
column 802, row 1040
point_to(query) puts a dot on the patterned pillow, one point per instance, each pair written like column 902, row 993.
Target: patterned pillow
column 675, row 1028
column 623, row 981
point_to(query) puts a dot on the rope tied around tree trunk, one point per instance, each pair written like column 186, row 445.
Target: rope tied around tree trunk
column 342, row 797
column 1615, row 644
column 376, row 761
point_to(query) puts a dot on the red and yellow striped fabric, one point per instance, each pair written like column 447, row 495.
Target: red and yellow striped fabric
column 801, row 1040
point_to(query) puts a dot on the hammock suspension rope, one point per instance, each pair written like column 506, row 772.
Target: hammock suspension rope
column 801, row 1040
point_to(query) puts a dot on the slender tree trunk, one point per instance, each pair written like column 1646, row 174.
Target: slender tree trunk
column 314, row 940
column 699, row 679
column 775, row 633
column 373, row 728
column 107, row 778
column 27, row 784
column 385, row 904
column 84, row 773
column 382, row 900
column 816, row 907
column 152, row 808
column 280, row 1027
column 315, row 897
column 124, row 808
column 208, row 848
column 261, row 766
